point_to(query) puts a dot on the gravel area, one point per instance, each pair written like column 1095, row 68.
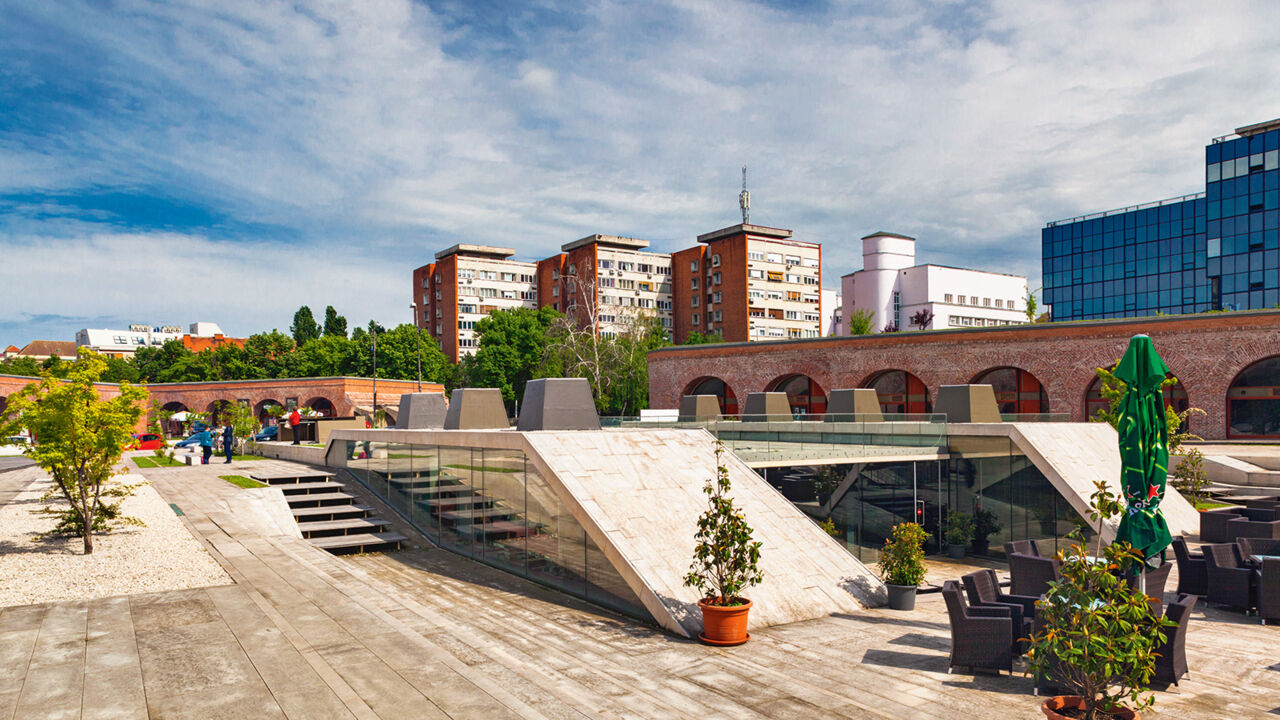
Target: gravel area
column 162, row 555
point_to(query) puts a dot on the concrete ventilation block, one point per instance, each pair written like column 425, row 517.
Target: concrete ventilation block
column 968, row 403
column 476, row 409
column 862, row 402
column 558, row 404
column 694, row 408
column 767, row 407
column 421, row 411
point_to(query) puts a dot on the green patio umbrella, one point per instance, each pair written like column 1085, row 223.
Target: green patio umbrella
column 1144, row 449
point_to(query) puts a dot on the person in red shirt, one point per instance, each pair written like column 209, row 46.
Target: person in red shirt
column 295, row 419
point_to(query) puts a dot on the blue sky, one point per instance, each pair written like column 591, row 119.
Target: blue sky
column 168, row 162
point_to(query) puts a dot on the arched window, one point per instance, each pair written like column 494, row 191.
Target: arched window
column 1253, row 401
column 1175, row 396
column 900, row 392
column 803, row 394
column 322, row 406
column 1018, row 392
column 715, row 386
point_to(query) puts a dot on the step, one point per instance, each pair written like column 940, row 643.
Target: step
column 438, row 490
column 475, row 513
column 459, row 501
column 360, row 542
column 329, row 512
column 322, row 528
column 286, row 479
column 314, row 499
column 500, row 529
column 310, row 488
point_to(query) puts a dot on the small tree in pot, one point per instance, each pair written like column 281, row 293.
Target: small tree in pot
column 901, row 564
column 985, row 524
column 1094, row 633
column 959, row 533
column 726, row 561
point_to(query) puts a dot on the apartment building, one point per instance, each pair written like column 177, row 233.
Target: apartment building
column 463, row 285
column 895, row 290
column 748, row 283
column 607, row 280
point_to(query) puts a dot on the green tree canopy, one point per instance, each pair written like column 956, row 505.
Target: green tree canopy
column 304, row 326
column 334, row 324
column 510, row 350
column 79, row 438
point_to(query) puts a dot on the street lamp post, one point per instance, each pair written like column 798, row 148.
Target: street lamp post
column 373, row 331
column 417, row 330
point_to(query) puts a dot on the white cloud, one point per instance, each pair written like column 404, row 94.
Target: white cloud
column 352, row 126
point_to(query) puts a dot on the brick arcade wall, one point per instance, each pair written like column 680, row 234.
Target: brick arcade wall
column 343, row 392
column 1205, row 352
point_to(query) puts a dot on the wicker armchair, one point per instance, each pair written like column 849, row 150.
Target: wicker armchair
column 981, row 637
column 1213, row 524
column 1256, row 546
column 1172, row 662
column 1269, row 591
column 1230, row 584
column 1267, row 503
column 1193, row 577
column 983, row 589
column 1026, row 547
column 1031, row 575
column 1244, row 527
column 1155, row 582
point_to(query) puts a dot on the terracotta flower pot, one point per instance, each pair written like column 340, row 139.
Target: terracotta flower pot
column 724, row 625
column 1051, row 707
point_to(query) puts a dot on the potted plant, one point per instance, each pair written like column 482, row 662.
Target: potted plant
column 901, row 564
column 985, row 524
column 726, row 561
column 1046, row 515
column 1094, row 633
column 959, row 533
column 825, row 482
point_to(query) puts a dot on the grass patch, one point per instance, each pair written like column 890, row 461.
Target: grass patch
column 246, row 457
column 242, row 481
column 154, row 462
column 1211, row 504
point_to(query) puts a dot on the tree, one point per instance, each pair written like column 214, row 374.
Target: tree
column 268, row 355
column 510, row 350
column 397, row 356
column 629, row 394
column 890, row 328
column 1032, row 306
column 304, row 326
column 922, row 318
column 697, row 338
column 79, row 438
column 334, row 324
column 861, row 322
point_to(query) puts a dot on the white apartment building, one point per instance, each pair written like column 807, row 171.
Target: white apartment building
column 893, row 287
column 465, row 284
column 832, row 312
column 628, row 280
column 124, row 343
column 784, row 288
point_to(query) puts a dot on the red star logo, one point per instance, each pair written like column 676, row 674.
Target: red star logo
column 1153, row 491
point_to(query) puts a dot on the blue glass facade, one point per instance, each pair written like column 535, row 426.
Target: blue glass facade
column 1219, row 249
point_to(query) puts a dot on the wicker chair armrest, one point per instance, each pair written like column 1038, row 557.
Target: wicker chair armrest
column 990, row 611
column 1027, row 602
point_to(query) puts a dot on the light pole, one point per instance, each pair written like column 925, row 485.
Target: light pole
column 374, row 331
column 417, row 330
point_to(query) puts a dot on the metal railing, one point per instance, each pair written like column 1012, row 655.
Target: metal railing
column 1130, row 208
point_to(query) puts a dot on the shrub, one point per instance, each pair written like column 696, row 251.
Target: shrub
column 901, row 559
column 959, row 529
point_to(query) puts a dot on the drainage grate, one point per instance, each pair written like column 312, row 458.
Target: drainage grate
column 176, row 510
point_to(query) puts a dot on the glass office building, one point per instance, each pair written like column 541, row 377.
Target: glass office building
column 1214, row 250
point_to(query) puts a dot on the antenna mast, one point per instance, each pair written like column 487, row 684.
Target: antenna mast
column 744, row 198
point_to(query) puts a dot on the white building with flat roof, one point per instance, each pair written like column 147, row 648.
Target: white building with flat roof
column 124, row 343
column 895, row 289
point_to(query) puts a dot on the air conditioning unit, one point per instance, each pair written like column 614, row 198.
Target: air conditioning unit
column 637, row 292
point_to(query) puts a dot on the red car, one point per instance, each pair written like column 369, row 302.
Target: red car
column 147, row 441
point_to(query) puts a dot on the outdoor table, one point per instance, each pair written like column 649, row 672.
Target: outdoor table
column 1257, row 559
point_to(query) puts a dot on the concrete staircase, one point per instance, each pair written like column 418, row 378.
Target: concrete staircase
column 457, row 507
column 329, row 517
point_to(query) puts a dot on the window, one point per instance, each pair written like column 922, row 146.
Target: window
column 608, row 318
column 509, row 276
column 693, row 284
column 467, row 342
column 791, row 315
column 697, row 318
column 555, row 273
column 947, row 297
column 960, row 300
column 1008, row 304
column 755, row 255
column 715, row 279
column 466, row 324
column 775, row 294
column 756, row 295
column 793, row 259
column 555, row 291
column 426, row 283
column 606, row 264
column 509, row 294
column 715, row 297
column 793, row 278
column 812, row 262
column 487, row 275
column 487, row 292
column 607, row 282
column 793, row 295
column 664, row 305
column 627, row 284
column 437, row 277
column 644, row 302
column 986, row 302
column 755, row 274
column 773, row 257
column 528, row 295
column 999, row 302
column 717, row 316
column 663, row 270
column 648, row 286
column 715, row 260
column 775, row 276
column 468, row 308
column 693, row 265
column 527, row 278
column 573, row 269
column 810, row 279
column 466, row 274
column 644, row 268
column 626, row 266
column 695, row 301
column 811, row 317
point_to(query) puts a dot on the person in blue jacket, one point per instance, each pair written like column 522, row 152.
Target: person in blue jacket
column 204, row 439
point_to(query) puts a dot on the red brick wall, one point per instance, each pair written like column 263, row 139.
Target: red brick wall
column 588, row 270
column 682, row 307
column 545, row 282
column 733, row 286
column 424, row 299
column 1205, row 352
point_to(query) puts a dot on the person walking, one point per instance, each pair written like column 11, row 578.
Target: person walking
column 228, row 442
column 295, row 421
column 204, row 439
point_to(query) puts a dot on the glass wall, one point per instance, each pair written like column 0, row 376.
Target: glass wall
column 988, row 479
column 492, row 505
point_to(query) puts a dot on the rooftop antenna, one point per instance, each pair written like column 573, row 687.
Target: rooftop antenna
column 744, row 198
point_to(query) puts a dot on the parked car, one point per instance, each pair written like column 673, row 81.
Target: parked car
column 147, row 441
column 268, row 433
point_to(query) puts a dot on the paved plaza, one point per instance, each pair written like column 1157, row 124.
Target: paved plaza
column 423, row 633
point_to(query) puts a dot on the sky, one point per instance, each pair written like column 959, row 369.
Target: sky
column 228, row 160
